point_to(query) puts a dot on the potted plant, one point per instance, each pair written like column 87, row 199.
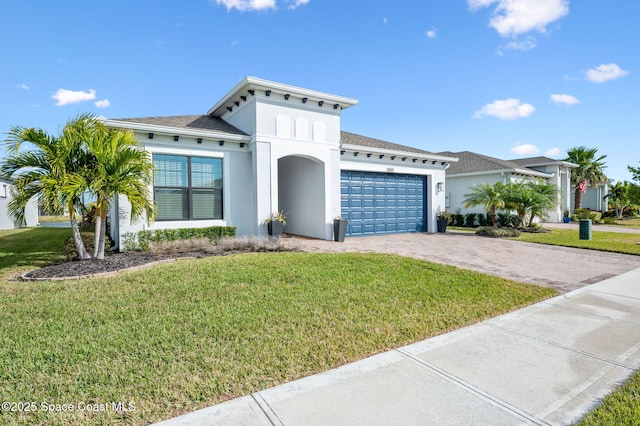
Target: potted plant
column 443, row 220
column 339, row 228
column 276, row 223
column 567, row 217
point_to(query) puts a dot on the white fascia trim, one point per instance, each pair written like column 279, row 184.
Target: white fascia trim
column 494, row 172
column 420, row 155
column 280, row 88
column 553, row 163
column 152, row 128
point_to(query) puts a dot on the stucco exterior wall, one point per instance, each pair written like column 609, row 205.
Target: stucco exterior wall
column 238, row 200
column 458, row 186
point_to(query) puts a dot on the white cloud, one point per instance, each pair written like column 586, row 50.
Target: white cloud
column 22, row 86
column 254, row 5
column 523, row 45
column 525, row 149
column 564, row 99
column 298, row 3
column 385, row 20
column 513, row 17
column 102, row 104
column 432, row 33
column 553, row 152
column 235, row 43
column 66, row 97
column 506, row 109
column 603, row 73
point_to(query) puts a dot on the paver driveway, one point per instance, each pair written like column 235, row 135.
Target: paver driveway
column 562, row 268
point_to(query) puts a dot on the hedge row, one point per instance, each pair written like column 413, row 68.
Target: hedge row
column 140, row 240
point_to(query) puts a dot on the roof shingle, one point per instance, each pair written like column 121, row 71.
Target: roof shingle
column 201, row 122
column 470, row 162
column 353, row 139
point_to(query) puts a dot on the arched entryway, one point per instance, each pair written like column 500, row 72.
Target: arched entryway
column 301, row 194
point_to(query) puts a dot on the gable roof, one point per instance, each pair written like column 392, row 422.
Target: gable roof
column 353, row 139
column 472, row 163
column 541, row 161
column 191, row 122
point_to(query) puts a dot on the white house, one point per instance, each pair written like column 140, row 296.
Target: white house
column 30, row 214
column 475, row 168
column 266, row 147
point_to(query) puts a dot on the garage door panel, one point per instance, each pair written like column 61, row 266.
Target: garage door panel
column 382, row 203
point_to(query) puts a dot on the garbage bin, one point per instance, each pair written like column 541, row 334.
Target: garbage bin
column 585, row 229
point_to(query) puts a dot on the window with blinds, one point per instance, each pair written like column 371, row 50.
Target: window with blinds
column 187, row 188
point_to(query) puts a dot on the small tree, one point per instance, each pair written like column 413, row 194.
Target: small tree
column 618, row 197
column 45, row 170
column 118, row 167
column 487, row 195
column 530, row 199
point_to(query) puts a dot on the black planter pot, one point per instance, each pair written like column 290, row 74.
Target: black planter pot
column 275, row 228
column 339, row 229
column 442, row 224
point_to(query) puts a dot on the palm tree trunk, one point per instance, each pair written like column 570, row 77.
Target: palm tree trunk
column 103, row 232
column 96, row 235
column 492, row 215
column 75, row 232
column 578, row 199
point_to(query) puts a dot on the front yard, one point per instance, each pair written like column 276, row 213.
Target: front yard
column 186, row 335
column 603, row 241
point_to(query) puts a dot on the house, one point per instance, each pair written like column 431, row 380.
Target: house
column 476, row 168
column 31, row 211
column 266, row 147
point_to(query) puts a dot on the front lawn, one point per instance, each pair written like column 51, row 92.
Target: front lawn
column 605, row 241
column 622, row 407
column 25, row 249
column 183, row 336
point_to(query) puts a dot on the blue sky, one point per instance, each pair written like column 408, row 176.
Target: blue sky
column 506, row 78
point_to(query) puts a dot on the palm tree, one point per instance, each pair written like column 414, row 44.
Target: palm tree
column 487, row 195
column 619, row 198
column 119, row 167
column 531, row 199
column 45, row 171
column 589, row 170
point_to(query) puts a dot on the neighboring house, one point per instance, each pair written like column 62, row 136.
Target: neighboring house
column 31, row 212
column 593, row 199
column 475, row 168
column 266, row 147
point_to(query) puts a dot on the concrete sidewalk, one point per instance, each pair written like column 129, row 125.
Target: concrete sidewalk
column 549, row 363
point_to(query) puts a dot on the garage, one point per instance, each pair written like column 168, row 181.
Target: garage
column 383, row 203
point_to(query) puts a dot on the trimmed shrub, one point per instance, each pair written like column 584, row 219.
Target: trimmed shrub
column 458, row 219
column 470, row 219
column 505, row 219
column 610, row 220
column 484, row 219
column 141, row 239
column 498, row 232
column 588, row 214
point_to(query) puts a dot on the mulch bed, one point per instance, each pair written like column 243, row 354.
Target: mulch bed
column 112, row 262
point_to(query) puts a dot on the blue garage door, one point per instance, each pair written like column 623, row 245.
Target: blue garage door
column 383, row 203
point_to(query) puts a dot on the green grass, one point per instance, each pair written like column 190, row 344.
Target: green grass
column 25, row 249
column 604, row 241
column 631, row 223
column 622, row 407
column 45, row 219
column 183, row 336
